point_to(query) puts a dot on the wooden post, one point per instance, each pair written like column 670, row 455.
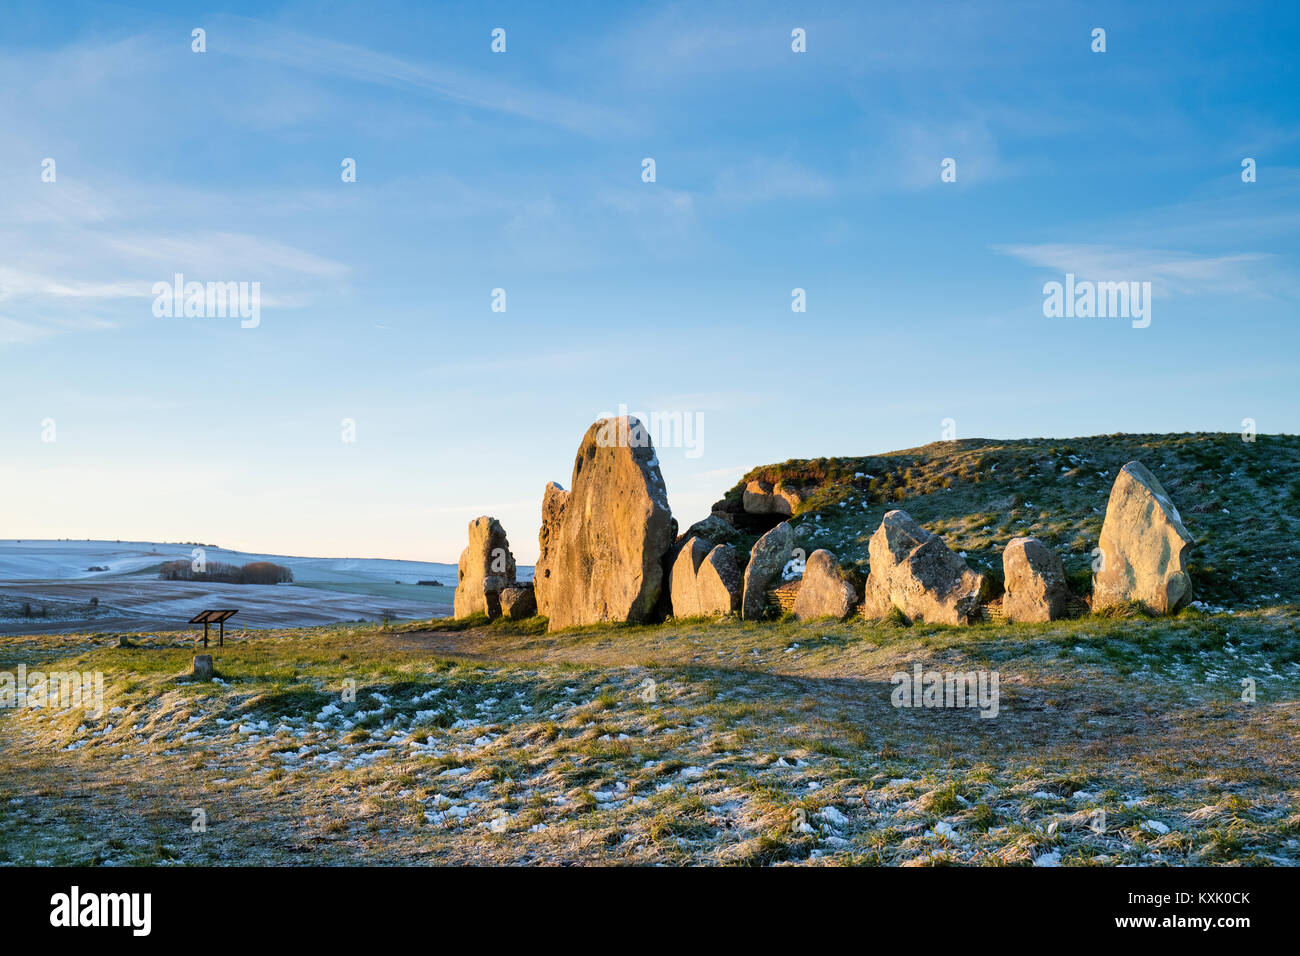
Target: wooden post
column 223, row 632
column 205, row 633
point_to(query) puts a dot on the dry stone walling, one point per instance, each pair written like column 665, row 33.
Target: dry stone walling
column 603, row 541
column 914, row 571
column 486, row 568
column 1144, row 546
column 1034, row 577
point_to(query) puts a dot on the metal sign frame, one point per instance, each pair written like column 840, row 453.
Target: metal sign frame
column 215, row 616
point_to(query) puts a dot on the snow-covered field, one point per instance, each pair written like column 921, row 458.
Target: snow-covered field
column 49, row 587
column 44, row 560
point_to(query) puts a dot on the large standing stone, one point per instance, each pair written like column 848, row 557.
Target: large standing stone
column 485, row 568
column 914, row 571
column 1144, row 546
column 518, row 602
column 606, row 560
column 553, row 502
column 202, row 667
column 825, row 590
column 1034, row 576
column 766, row 559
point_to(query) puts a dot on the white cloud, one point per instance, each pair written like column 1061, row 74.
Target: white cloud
column 763, row 179
column 13, row 332
column 1170, row 273
column 268, row 44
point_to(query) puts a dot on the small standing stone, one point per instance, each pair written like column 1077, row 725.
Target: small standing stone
column 203, row 667
column 826, row 590
column 518, row 601
column 485, row 567
column 1034, row 576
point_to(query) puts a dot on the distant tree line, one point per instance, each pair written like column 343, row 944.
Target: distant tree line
column 255, row 572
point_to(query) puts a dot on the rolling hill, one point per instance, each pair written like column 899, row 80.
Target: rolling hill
column 1240, row 499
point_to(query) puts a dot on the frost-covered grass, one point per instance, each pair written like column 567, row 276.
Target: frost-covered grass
column 687, row 743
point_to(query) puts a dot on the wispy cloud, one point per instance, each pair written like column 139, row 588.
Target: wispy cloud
column 1170, row 273
column 764, row 179
column 266, row 43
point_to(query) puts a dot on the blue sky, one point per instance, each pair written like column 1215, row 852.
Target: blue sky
column 522, row 171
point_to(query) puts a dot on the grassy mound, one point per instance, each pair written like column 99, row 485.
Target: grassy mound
column 1241, row 500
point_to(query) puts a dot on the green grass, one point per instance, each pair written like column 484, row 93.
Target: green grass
column 437, row 732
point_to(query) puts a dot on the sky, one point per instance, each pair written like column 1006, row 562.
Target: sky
column 380, row 403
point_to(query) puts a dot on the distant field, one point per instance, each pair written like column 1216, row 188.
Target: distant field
column 49, row 587
column 130, row 604
column 1117, row 742
column 419, row 594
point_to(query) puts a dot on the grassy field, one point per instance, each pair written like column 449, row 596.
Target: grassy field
column 756, row 743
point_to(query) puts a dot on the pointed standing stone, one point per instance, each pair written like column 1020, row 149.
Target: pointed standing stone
column 1144, row 546
column 553, row 502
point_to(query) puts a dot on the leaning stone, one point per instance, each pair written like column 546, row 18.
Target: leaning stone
column 1034, row 576
column 718, row 584
column 825, row 590
column 682, row 578
column 705, row 580
column 768, row 556
column 793, row 498
column 1144, row 546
